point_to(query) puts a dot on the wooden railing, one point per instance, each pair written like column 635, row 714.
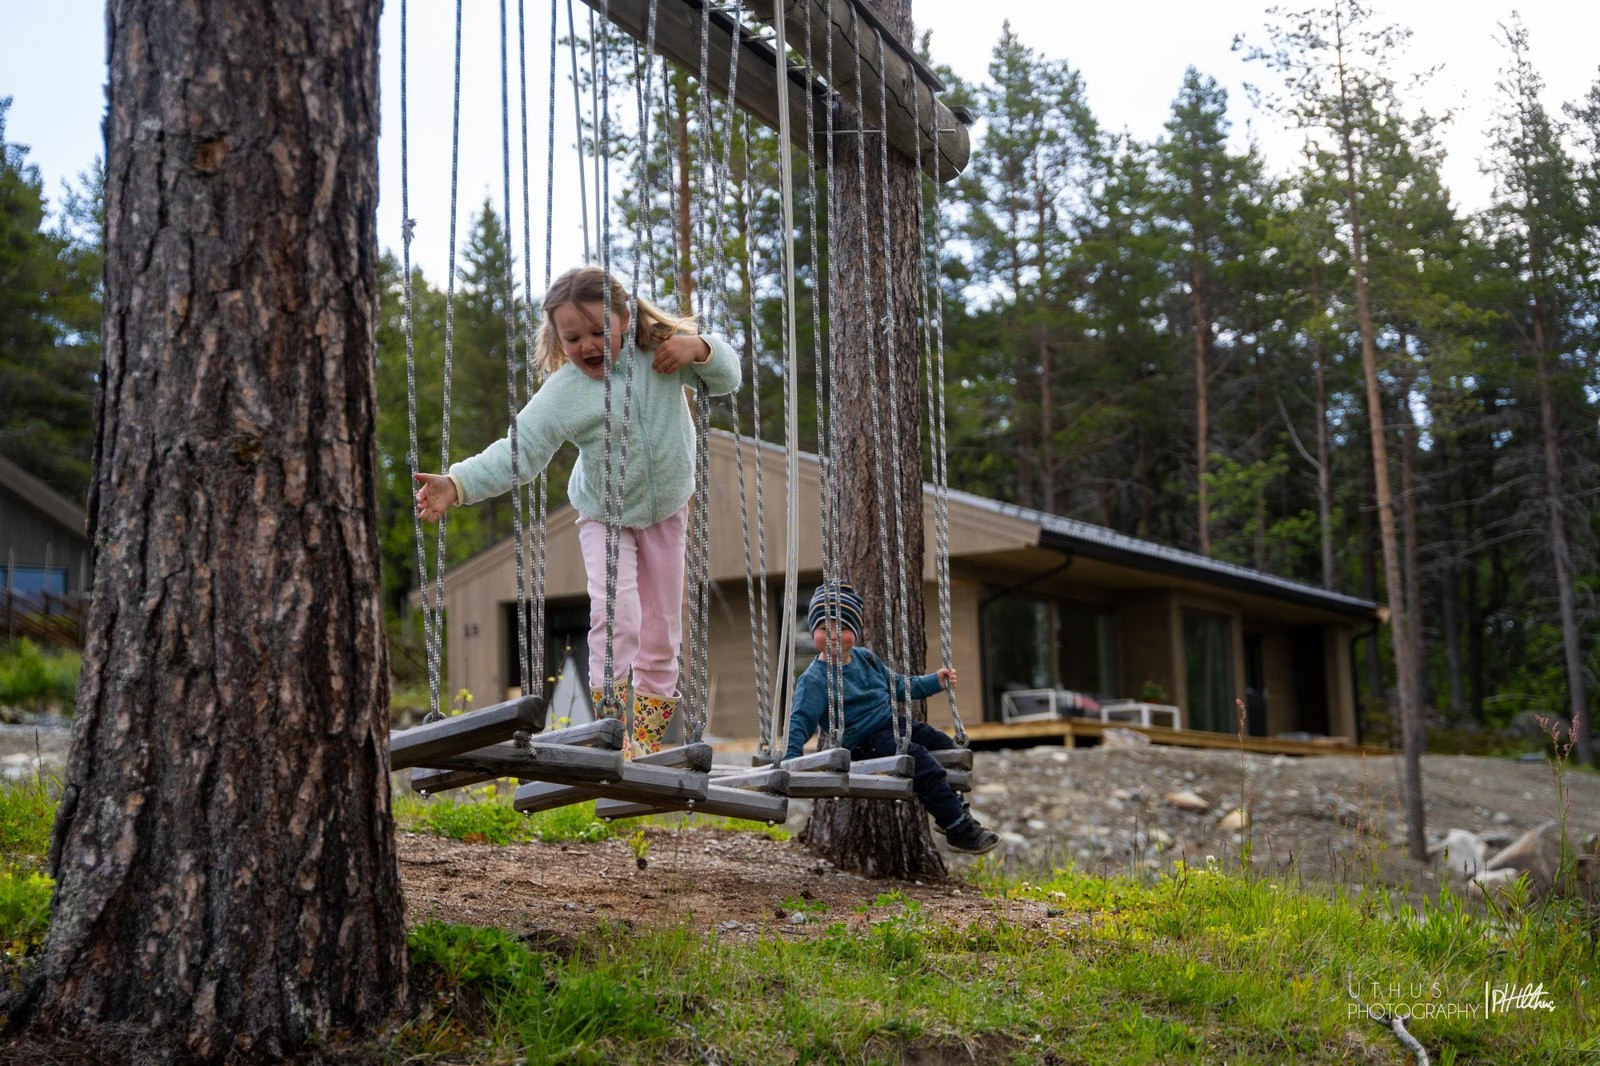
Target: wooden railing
column 43, row 617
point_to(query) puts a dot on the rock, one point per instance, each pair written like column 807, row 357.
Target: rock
column 1526, row 726
column 1461, row 852
column 1486, row 883
column 1038, row 825
column 1501, row 818
column 1234, row 821
column 1124, row 738
column 1536, row 853
column 1187, row 801
column 1121, row 795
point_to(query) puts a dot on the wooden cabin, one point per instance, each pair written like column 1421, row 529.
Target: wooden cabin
column 1041, row 606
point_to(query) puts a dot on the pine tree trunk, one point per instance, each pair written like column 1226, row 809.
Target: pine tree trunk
column 1047, row 432
column 889, row 840
column 1560, row 548
column 1411, row 727
column 1413, row 542
column 226, row 877
column 1202, row 413
column 1324, row 458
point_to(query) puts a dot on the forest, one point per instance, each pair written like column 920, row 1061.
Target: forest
column 1166, row 338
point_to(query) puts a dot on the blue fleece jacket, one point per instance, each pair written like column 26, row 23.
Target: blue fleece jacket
column 570, row 405
column 866, row 698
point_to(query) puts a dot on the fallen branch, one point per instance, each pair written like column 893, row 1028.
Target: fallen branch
column 1395, row 1022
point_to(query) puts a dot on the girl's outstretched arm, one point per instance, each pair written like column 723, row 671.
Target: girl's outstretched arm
column 540, row 431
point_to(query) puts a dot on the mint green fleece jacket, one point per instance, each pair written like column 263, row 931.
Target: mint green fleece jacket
column 570, row 406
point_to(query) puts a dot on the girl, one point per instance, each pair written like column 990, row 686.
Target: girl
column 669, row 355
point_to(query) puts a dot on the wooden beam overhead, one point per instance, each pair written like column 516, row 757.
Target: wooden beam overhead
column 677, row 37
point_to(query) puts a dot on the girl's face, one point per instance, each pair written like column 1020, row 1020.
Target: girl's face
column 581, row 330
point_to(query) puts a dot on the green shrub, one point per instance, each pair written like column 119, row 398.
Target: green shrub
column 32, row 678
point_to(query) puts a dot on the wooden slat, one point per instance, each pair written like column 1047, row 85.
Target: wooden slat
column 600, row 733
column 542, row 796
column 905, row 87
column 727, row 802
column 812, row 784
column 423, row 744
column 549, row 762
column 880, row 786
column 954, row 758
column 758, row 779
column 832, row 760
column 959, row 780
column 756, row 91
column 893, row 765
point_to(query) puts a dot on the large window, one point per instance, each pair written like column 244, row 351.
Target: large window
column 1208, row 659
column 34, row 581
column 1032, row 642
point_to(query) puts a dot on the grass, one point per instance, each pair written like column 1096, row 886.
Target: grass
column 484, row 815
column 38, row 680
column 1208, row 964
column 1201, row 967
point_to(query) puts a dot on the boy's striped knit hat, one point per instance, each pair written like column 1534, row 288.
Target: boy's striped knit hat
column 836, row 599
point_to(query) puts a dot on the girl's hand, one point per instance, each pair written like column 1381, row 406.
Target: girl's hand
column 436, row 496
column 947, row 677
column 678, row 351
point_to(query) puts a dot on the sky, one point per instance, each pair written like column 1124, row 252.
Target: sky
column 1132, row 57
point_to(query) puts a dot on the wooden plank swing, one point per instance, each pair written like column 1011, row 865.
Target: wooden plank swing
column 891, row 89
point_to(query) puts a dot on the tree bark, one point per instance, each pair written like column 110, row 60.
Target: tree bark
column 1324, row 458
column 226, row 877
column 1047, row 431
column 1202, row 413
column 1410, row 721
column 1410, row 527
column 879, row 839
column 1560, row 548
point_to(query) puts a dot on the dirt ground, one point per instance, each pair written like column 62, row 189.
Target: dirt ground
column 1331, row 820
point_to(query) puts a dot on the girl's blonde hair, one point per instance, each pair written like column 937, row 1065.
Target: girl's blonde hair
column 587, row 285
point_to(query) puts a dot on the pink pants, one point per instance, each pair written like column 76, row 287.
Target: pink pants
column 649, row 621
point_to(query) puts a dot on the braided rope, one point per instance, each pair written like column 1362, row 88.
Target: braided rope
column 791, row 564
column 449, row 357
column 509, row 313
column 895, row 493
column 872, row 377
column 577, row 125
column 832, row 528
column 933, row 370
column 431, row 622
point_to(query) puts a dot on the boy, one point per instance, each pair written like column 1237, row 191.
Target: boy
column 868, row 726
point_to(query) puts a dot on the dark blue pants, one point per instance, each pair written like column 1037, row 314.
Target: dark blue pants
column 928, row 779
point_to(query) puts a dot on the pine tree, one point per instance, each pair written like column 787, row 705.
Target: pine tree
column 49, row 324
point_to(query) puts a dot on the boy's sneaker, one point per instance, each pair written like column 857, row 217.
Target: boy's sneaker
column 968, row 836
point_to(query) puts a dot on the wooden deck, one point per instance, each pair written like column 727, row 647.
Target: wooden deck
column 1083, row 731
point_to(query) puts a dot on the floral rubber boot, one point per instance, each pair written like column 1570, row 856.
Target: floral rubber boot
column 652, row 714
